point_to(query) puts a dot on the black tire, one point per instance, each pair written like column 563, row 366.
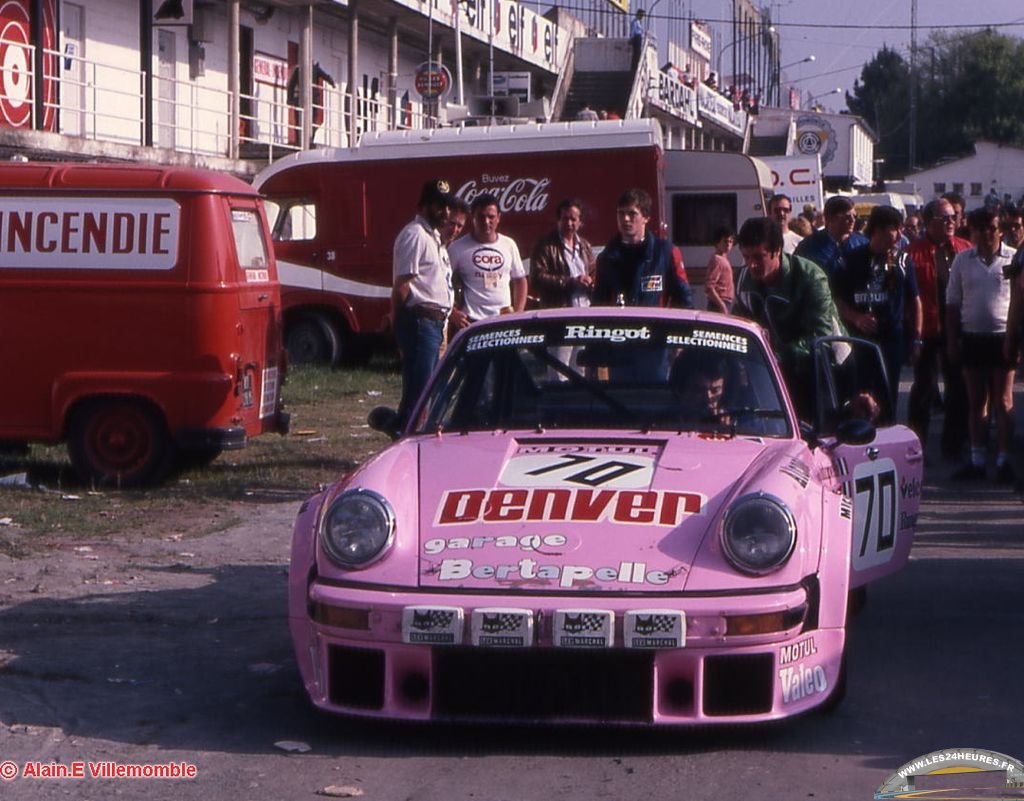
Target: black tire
column 313, row 339
column 119, row 442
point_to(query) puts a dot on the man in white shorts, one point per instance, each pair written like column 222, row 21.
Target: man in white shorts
column 489, row 275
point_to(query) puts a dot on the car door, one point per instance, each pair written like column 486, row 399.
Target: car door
column 878, row 464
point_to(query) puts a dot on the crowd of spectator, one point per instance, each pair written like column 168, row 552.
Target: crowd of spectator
column 936, row 290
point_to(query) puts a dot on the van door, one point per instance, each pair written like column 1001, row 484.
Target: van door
column 259, row 305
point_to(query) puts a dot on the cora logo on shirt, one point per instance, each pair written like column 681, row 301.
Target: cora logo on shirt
column 488, row 259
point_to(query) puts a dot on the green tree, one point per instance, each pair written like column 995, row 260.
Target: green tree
column 969, row 87
column 882, row 97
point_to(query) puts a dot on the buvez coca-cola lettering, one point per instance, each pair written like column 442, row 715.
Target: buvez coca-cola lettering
column 518, row 194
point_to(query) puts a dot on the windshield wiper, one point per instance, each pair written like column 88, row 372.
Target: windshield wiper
column 578, row 380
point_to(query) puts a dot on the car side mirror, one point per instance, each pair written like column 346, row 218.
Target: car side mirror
column 855, row 431
column 385, row 419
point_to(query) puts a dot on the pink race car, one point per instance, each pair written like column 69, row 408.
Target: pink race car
column 606, row 515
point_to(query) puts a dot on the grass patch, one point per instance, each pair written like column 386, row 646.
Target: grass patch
column 329, row 437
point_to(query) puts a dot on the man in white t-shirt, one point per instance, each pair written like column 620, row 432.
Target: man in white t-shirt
column 977, row 307
column 780, row 209
column 488, row 270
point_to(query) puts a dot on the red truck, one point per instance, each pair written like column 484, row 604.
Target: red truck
column 140, row 315
column 335, row 212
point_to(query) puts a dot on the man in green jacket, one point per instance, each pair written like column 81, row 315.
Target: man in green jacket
column 790, row 297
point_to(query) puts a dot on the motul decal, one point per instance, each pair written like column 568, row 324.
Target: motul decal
column 650, row 507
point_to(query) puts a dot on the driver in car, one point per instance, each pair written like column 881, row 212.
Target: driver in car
column 700, row 379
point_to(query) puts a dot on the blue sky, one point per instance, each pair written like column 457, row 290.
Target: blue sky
column 841, row 51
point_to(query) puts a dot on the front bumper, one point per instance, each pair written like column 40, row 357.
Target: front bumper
column 353, row 660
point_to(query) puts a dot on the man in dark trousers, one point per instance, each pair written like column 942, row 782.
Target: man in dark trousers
column 932, row 254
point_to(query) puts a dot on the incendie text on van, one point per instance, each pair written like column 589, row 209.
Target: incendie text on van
column 67, row 233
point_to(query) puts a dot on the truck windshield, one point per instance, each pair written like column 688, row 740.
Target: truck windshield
column 607, row 373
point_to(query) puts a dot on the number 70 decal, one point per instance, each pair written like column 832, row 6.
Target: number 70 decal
column 875, row 512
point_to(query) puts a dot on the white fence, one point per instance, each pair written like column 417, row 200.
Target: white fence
column 104, row 102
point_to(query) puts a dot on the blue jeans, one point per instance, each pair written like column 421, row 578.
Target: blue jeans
column 419, row 340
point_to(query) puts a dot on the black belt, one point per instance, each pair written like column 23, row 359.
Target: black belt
column 429, row 311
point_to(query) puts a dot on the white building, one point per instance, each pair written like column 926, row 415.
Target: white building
column 991, row 167
column 219, row 82
column 844, row 143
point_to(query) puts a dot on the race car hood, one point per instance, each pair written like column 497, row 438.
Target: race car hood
column 571, row 514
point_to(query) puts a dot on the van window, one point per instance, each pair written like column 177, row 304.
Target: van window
column 249, row 243
column 293, row 220
column 696, row 216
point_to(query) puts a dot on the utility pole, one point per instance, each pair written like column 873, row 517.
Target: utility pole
column 912, row 149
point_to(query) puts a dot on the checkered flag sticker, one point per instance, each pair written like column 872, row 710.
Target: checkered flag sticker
column 584, row 628
column 432, row 619
column 432, row 625
column 583, row 623
column 655, row 624
column 502, row 627
column 654, row 628
column 503, row 621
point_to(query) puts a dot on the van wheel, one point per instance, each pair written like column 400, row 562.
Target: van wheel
column 312, row 339
column 119, row 442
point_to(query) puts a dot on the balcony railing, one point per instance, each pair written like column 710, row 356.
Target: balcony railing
column 105, row 103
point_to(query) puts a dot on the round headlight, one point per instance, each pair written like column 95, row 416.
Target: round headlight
column 358, row 527
column 759, row 534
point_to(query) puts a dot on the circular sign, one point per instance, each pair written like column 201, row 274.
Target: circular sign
column 432, row 80
column 15, row 66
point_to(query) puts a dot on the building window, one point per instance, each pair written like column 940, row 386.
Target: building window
column 958, row 187
column 940, row 188
column 975, row 189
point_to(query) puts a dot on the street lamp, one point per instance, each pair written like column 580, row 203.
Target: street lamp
column 805, row 60
column 812, row 98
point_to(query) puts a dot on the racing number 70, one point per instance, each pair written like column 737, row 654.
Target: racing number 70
column 879, row 519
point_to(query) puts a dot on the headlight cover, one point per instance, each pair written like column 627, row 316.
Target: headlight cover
column 358, row 528
column 758, row 534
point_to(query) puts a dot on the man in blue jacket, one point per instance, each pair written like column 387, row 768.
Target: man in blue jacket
column 829, row 247
column 637, row 268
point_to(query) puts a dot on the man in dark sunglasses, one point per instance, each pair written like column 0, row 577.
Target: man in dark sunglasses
column 1012, row 226
column 780, row 209
column 931, row 254
column 828, row 247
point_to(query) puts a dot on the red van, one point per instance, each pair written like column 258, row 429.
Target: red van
column 140, row 316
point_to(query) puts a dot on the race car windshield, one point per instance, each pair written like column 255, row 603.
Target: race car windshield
column 615, row 373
